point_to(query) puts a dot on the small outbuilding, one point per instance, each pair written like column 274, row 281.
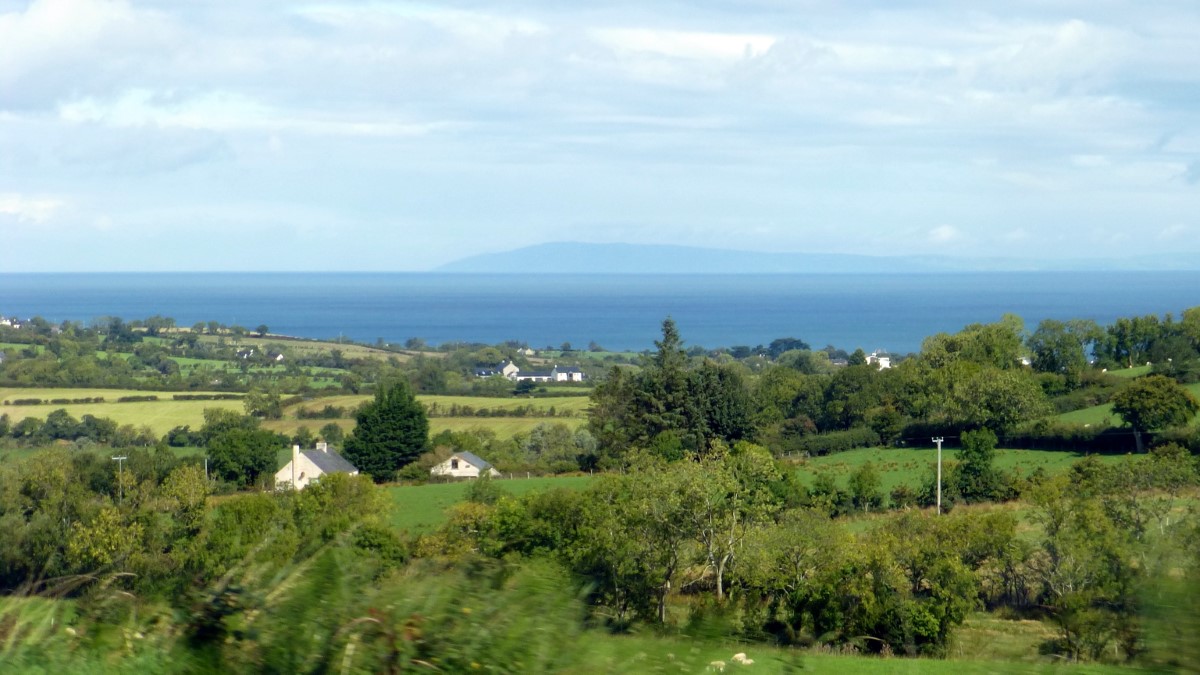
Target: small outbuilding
column 308, row 466
column 464, row 465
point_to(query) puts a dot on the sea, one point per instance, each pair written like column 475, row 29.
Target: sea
column 892, row 312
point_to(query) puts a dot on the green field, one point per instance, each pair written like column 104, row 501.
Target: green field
column 1096, row 415
column 165, row 414
column 574, row 404
column 908, row 466
column 503, row 427
column 1130, row 373
column 161, row 416
column 420, row 508
column 312, row 347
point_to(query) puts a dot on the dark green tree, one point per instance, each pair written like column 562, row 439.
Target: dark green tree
column 1154, row 402
column 977, row 478
column 245, row 456
column 391, row 431
column 332, row 434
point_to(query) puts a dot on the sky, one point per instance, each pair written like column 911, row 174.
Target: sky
column 286, row 135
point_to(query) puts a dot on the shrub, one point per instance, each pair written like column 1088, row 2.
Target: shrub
column 835, row 441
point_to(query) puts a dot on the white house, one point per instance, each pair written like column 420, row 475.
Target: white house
column 513, row 372
column 555, row 374
column 880, row 358
column 568, row 374
column 309, row 465
column 463, row 465
column 507, row 369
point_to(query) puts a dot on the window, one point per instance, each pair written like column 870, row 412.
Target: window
column 454, row 465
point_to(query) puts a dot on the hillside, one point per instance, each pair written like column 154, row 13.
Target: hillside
column 584, row 258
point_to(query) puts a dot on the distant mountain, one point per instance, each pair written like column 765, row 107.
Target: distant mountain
column 579, row 258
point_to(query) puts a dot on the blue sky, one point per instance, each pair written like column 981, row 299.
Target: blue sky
column 264, row 135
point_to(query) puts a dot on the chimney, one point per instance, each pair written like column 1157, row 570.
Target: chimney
column 323, row 446
column 295, row 463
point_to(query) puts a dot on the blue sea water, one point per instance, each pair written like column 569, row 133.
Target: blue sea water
column 620, row 312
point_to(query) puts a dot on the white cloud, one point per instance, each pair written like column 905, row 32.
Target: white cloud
column 685, row 44
column 944, row 234
column 28, row 209
column 229, row 111
column 697, row 122
column 60, row 45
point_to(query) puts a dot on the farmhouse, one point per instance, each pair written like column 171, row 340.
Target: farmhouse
column 463, row 465
column 513, row 372
column 880, row 358
column 308, row 466
column 507, row 369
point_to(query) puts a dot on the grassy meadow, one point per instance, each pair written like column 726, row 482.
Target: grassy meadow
column 165, row 414
column 911, row 466
column 311, row 347
column 1096, row 415
column 161, row 415
column 420, row 508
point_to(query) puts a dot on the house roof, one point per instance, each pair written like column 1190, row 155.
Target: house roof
column 568, row 369
column 329, row 461
column 472, row 459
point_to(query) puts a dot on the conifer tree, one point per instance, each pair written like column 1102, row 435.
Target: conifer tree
column 392, row 431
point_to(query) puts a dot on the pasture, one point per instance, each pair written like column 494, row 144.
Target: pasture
column 560, row 404
column 161, row 415
column 165, row 414
column 911, row 466
column 301, row 347
column 1097, row 415
column 1130, row 373
column 421, row 508
column 503, row 427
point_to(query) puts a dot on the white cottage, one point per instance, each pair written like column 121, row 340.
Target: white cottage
column 879, row 358
column 309, row 465
column 463, row 465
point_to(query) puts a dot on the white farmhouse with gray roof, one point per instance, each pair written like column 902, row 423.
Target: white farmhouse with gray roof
column 309, row 465
column 463, row 465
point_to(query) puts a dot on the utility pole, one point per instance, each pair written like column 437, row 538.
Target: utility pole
column 939, row 440
column 120, row 460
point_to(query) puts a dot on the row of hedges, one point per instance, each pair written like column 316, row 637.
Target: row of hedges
column 456, row 410
column 208, row 397
column 55, row 401
column 834, row 442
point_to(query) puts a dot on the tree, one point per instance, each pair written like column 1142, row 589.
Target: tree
column 866, row 490
column 262, row 330
column 1129, row 340
column 1154, row 402
column 391, row 431
column 977, row 478
column 996, row 399
column 787, row 344
column 332, row 434
column 245, row 456
column 1061, row 346
column 264, row 403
